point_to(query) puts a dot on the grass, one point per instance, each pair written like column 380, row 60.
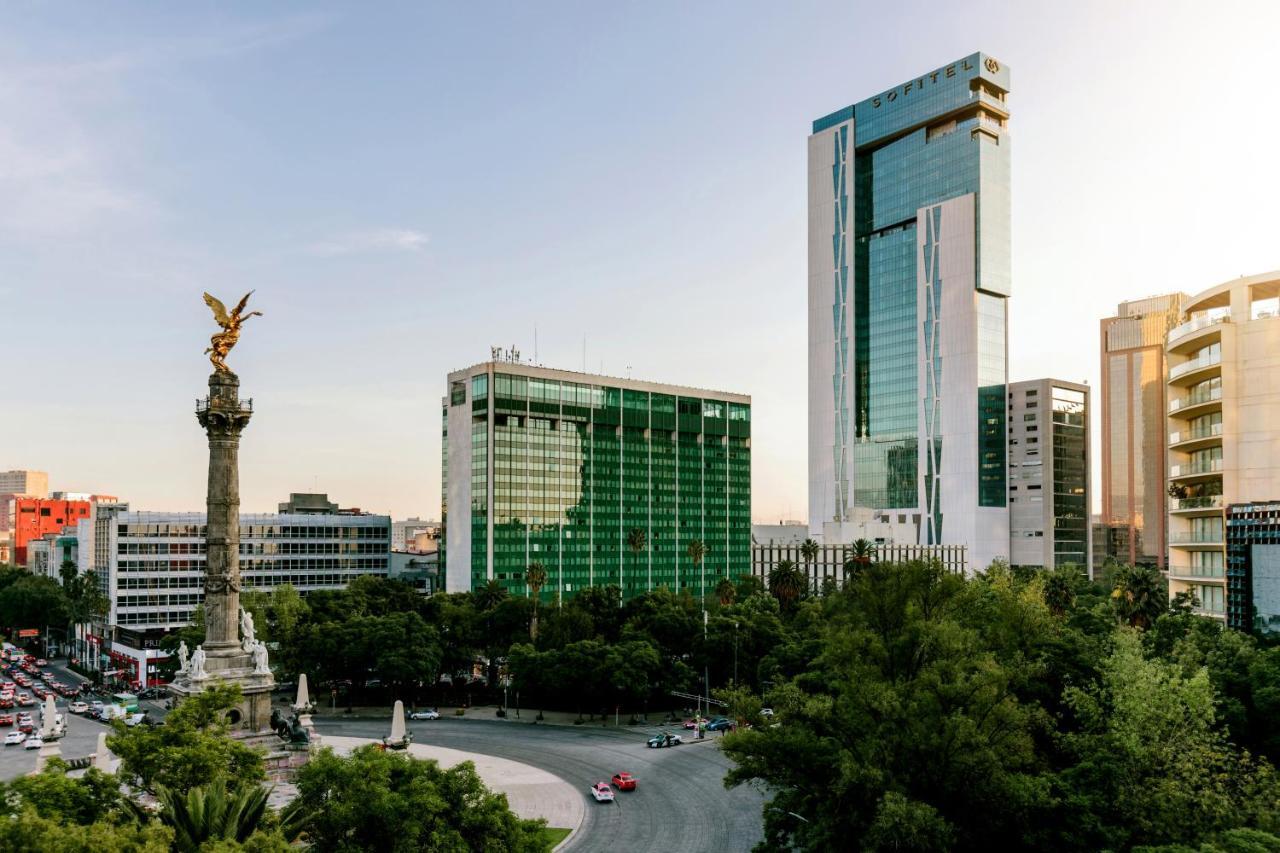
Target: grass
column 553, row 835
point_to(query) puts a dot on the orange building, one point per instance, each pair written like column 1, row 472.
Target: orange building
column 26, row 519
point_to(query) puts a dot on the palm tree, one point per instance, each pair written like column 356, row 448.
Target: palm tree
column 858, row 559
column 637, row 541
column 212, row 813
column 1140, row 595
column 726, row 592
column 490, row 595
column 786, row 583
column 1059, row 592
column 809, row 552
column 697, row 549
column 535, row 576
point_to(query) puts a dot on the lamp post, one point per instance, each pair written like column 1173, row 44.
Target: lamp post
column 735, row 654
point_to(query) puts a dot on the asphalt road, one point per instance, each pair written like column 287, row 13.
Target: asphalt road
column 81, row 738
column 680, row 803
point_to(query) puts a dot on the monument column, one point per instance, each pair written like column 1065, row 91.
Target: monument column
column 224, row 416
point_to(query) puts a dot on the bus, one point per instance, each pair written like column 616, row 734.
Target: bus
column 128, row 701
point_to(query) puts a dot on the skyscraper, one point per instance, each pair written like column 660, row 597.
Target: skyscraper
column 908, row 277
column 1134, row 451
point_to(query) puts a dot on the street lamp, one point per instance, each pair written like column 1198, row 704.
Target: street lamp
column 735, row 654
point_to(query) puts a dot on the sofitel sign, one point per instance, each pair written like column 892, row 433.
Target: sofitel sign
column 950, row 71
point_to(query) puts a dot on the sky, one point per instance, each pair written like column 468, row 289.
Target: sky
column 405, row 185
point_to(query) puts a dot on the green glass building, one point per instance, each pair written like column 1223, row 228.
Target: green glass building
column 561, row 467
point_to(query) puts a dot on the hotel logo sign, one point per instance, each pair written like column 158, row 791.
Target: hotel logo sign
column 932, row 78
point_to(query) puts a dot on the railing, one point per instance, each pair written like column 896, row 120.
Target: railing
column 1204, row 466
column 1197, row 572
column 1202, row 502
column 1197, row 537
column 1196, row 324
column 1208, row 360
column 203, row 405
column 1195, row 399
column 1211, row 431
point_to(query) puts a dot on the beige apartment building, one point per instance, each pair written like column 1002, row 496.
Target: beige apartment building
column 1223, row 425
column 31, row 484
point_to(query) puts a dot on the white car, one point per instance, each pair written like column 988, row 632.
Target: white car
column 78, row 707
column 33, row 742
column 135, row 719
column 602, row 792
column 766, row 712
column 14, row 738
column 425, row 714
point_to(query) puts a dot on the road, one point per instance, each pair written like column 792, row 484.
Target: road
column 679, row 804
column 81, row 738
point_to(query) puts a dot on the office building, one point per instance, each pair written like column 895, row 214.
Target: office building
column 909, row 273
column 1253, row 567
column 1223, row 425
column 1134, row 447
column 1049, row 463
column 415, row 535
column 152, row 570
column 829, row 561
column 26, row 484
column 560, row 467
column 26, row 519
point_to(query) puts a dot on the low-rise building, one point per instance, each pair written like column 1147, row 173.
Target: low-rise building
column 829, row 560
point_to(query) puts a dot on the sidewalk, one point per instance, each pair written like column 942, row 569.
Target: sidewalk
column 489, row 712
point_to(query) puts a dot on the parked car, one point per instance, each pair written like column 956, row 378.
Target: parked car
column 33, row 742
column 78, row 707
column 719, row 723
column 6, row 719
column 25, row 699
column 425, row 714
column 602, row 792
column 14, row 738
column 624, row 781
column 664, row 739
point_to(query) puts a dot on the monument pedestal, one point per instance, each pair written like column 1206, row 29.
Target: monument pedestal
column 254, row 712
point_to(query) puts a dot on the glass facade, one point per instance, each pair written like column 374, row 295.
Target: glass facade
column 577, row 466
column 1070, row 474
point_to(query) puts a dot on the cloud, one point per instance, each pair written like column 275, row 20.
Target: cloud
column 374, row 240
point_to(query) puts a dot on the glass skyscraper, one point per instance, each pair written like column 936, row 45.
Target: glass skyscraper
column 908, row 279
column 561, row 467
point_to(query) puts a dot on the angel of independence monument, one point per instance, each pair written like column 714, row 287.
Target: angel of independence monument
column 230, row 652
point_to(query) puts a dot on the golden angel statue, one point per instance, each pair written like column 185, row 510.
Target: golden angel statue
column 221, row 343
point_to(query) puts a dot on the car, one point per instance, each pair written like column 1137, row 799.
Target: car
column 719, row 723
column 624, row 781
column 664, row 739
column 693, row 723
column 425, row 714
column 6, row 719
column 41, row 662
column 33, row 742
column 45, row 674
column 602, row 792
column 766, row 712
column 14, row 738
column 135, row 719
column 40, row 692
column 26, row 726
column 25, row 699
column 78, row 707
column 96, row 705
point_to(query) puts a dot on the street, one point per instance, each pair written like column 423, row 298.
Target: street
column 81, row 738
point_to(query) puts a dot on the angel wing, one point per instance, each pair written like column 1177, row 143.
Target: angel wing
column 219, row 310
column 242, row 303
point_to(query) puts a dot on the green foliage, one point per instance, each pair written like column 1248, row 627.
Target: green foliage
column 33, row 601
column 28, row 831
column 213, row 812
column 191, row 749
column 1139, row 594
column 786, row 583
column 51, row 793
column 386, row 801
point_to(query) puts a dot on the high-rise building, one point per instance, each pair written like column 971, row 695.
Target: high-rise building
column 1253, row 567
column 560, row 468
column 1223, row 425
column 27, row 484
column 1134, row 447
column 1049, row 461
column 909, row 272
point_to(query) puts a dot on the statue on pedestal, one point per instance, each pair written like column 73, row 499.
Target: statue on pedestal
column 260, row 658
column 196, row 672
column 221, row 343
column 184, row 654
column 247, row 634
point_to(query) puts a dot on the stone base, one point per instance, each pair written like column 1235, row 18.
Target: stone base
column 254, row 712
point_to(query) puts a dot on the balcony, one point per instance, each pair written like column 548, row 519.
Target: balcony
column 1197, row 538
column 1179, row 335
column 1184, row 406
column 1203, row 505
column 1197, row 574
column 1194, row 439
column 1195, row 469
column 1195, row 369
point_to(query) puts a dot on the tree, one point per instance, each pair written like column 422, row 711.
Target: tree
column 213, row 812
column 809, row 552
column 1060, row 589
column 191, row 749
column 34, row 601
column 1139, row 595
column 490, row 595
column 857, row 559
column 535, row 576
column 84, row 599
column 726, row 591
column 786, row 583
column 696, row 550
column 637, row 541
column 388, row 801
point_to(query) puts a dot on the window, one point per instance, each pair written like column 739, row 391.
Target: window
column 1029, row 417
column 457, row 393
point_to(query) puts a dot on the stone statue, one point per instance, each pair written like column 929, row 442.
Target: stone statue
column 221, row 343
column 260, row 658
column 248, row 637
column 196, row 671
column 183, row 658
column 290, row 730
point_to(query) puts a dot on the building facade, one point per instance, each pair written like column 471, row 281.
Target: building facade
column 151, row 567
column 909, row 273
column 829, row 561
column 415, row 535
column 1049, row 464
column 1223, row 426
column 1134, row 446
column 560, row 467
column 26, row 519
column 27, row 484
column 1253, row 567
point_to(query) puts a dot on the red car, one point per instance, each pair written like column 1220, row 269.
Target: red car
column 6, row 719
column 27, row 726
column 624, row 781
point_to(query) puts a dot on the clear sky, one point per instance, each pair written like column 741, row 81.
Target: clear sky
column 407, row 184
